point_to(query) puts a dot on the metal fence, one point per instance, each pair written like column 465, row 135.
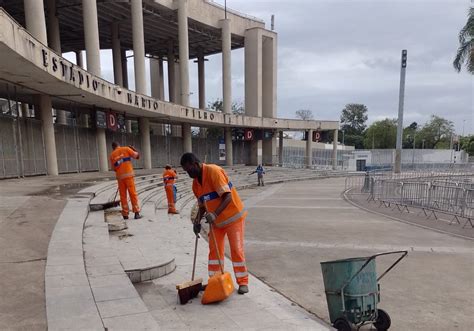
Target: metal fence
column 295, row 157
column 449, row 191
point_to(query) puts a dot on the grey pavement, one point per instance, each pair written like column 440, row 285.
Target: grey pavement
column 29, row 210
column 298, row 225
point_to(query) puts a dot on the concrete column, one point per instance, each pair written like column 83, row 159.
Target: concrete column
column 269, row 72
column 34, row 19
column 61, row 117
column 46, row 115
column 25, row 110
column 334, row 150
column 229, row 154
column 79, row 59
column 226, row 67
column 117, row 54
column 280, row 148
column 186, row 133
column 91, row 36
column 102, row 150
column 309, row 148
column 54, row 39
column 128, row 123
column 269, row 79
column 155, row 77
column 138, row 46
column 227, row 86
column 255, row 152
column 171, row 73
column 161, row 94
column 123, row 56
column 202, row 81
column 183, row 50
column 144, row 127
column 253, row 72
column 177, row 82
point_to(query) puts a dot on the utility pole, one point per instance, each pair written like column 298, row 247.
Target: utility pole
column 414, row 144
column 401, row 98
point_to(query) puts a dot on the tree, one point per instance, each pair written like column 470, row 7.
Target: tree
column 381, row 134
column 467, row 144
column 465, row 53
column 410, row 136
column 304, row 114
column 353, row 123
column 437, row 132
column 218, row 105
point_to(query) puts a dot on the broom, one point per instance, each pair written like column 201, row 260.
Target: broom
column 191, row 289
column 107, row 205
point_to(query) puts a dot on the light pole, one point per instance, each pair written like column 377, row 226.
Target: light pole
column 398, row 152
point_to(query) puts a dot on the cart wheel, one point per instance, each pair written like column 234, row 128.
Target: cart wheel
column 341, row 324
column 383, row 321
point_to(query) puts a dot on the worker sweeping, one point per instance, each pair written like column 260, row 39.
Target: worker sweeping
column 121, row 160
column 169, row 178
column 260, row 171
column 220, row 204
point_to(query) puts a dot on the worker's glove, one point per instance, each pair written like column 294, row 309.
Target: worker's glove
column 197, row 228
column 210, row 218
column 133, row 148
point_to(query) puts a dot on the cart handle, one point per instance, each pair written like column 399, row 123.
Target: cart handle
column 404, row 253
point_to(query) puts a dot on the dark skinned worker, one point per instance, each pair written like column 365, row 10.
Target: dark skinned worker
column 121, row 160
column 220, row 204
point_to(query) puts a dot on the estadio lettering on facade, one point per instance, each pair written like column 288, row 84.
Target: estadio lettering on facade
column 77, row 76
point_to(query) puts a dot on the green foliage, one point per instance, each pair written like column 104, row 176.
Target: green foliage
column 353, row 123
column 410, row 136
column 381, row 134
column 467, row 144
column 218, row 105
column 465, row 53
column 437, row 132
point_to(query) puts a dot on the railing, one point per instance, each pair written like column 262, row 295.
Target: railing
column 235, row 12
column 449, row 192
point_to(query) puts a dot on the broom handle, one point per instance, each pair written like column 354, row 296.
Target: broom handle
column 195, row 253
column 214, row 240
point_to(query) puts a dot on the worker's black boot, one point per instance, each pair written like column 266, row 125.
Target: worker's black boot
column 125, row 217
column 243, row 289
column 138, row 216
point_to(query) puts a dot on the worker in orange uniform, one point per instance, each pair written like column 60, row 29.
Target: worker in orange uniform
column 121, row 160
column 220, row 204
column 169, row 179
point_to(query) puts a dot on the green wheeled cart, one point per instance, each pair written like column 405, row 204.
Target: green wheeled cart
column 353, row 292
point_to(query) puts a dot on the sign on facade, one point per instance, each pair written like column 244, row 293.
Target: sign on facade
column 221, row 149
column 100, row 120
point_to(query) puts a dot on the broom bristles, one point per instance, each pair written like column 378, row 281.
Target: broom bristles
column 189, row 290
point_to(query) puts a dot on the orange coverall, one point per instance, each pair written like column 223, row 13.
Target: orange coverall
column 230, row 222
column 169, row 178
column 121, row 160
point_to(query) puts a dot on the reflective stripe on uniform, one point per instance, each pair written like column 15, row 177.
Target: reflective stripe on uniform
column 238, row 264
column 211, row 195
column 122, row 160
column 231, row 219
column 241, row 274
column 215, row 262
column 212, row 273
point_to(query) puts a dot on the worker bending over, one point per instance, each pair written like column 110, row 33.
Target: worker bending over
column 169, row 178
column 121, row 160
column 220, row 204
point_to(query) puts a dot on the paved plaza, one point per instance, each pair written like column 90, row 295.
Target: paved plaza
column 292, row 226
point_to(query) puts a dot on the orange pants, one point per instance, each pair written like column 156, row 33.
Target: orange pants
column 170, row 197
column 128, row 184
column 235, row 234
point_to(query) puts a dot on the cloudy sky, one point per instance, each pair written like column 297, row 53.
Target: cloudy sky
column 334, row 52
